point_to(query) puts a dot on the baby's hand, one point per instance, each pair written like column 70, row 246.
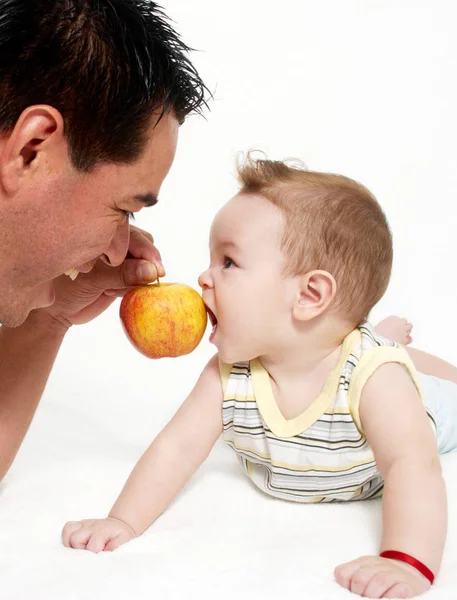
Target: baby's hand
column 97, row 535
column 376, row 577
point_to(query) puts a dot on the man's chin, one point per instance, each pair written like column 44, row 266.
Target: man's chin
column 15, row 313
column 12, row 319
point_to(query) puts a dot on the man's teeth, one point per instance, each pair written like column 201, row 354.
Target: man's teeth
column 72, row 273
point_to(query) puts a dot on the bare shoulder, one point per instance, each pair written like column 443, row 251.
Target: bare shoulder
column 388, row 381
column 199, row 418
column 197, row 424
column 209, row 385
column 393, row 415
column 211, row 372
column 389, row 393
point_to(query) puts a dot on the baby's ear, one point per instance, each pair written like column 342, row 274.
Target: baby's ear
column 316, row 292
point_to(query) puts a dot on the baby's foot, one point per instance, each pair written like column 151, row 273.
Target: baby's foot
column 396, row 329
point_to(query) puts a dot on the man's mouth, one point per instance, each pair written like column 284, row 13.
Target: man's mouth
column 85, row 268
column 72, row 273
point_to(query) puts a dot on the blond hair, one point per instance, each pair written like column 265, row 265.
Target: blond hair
column 332, row 223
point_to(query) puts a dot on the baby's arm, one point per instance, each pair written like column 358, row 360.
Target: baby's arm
column 414, row 505
column 165, row 467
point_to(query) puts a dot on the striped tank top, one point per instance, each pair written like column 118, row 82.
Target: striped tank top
column 322, row 455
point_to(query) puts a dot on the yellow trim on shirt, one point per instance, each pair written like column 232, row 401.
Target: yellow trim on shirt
column 224, row 370
column 367, row 365
column 277, row 423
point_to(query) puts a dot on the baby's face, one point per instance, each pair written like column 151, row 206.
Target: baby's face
column 243, row 287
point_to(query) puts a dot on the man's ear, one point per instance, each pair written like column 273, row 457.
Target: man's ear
column 36, row 139
column 316, row 292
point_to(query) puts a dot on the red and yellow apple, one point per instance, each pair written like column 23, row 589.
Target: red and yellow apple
column 163, row 319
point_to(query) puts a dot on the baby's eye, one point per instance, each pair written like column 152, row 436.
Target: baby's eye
column 228, row 262
column 129, row 215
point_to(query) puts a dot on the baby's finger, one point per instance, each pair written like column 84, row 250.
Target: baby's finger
column 114, row 543
column 121, row 538
column 360, row 580
column 68, row 530
column 343, row 573
column 79, row 538
column 97, row 542
column 399, row 590
column 379, row 584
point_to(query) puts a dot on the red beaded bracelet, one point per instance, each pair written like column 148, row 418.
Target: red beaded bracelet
column 410, row 560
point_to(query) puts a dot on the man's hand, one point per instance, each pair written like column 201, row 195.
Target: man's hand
column 27, row 353
column 82, row 300
column 97, row 535
column 376, row 577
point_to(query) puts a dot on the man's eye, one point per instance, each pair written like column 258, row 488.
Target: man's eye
column 130, row 216
column 228, row 262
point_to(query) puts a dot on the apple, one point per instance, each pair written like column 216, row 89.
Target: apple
column 163, row 319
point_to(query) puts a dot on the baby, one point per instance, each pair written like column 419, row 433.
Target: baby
column 317, row 406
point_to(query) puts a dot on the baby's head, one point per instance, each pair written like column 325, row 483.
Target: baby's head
column 293, row 250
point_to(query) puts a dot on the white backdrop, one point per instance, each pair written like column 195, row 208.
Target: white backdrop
column 363, row 88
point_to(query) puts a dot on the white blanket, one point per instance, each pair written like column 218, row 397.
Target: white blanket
column 220, row 539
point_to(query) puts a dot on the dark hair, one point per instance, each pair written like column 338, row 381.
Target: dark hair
column 106, row 65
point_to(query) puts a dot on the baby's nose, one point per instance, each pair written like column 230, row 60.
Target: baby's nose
column 204, row 280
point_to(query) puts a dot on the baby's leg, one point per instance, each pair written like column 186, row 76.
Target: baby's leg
column 432, row 365
column 399, row 330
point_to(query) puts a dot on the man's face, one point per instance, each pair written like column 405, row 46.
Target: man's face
column 66, row 219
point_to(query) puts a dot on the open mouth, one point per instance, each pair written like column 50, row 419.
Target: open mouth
column 85, row 268
column 213, row 321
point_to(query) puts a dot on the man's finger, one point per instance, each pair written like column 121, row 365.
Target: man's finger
column 142, row 247
column 120, row 293
column 131, row 273
column 145, row 272
column 134, row 228
column 92, row 310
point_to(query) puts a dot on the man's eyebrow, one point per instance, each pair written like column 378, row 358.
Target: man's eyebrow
column 147, row 199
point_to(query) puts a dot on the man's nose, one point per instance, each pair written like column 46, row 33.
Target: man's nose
column 117, row 251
